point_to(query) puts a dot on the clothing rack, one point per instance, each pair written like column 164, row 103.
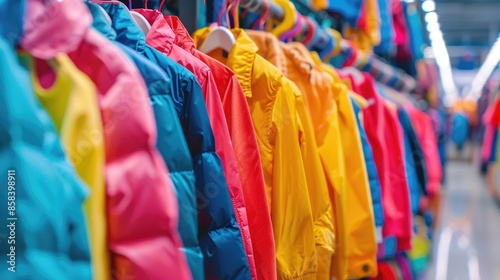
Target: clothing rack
column 389, row 75
column 259, row 7
column 383, row 72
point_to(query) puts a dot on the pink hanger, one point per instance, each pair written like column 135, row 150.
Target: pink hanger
column 260, row 21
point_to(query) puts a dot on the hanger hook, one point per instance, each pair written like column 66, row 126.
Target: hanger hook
column 260, row 21
column 221, row 12
column 160, row 8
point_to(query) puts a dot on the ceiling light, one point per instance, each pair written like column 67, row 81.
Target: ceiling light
column 431, row 17
column 433, row 26
column 484, row 73
column 429, row 6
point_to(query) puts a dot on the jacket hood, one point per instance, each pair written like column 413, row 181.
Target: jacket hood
column 53, row 27
column 182, row 37
column 161, row 36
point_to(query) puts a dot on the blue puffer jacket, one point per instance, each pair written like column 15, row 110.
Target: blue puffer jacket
column 220, row 237
column 171, row 143
column 50, row 239
column 371, row 168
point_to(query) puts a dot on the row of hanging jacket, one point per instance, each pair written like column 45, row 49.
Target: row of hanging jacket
column 144, row 152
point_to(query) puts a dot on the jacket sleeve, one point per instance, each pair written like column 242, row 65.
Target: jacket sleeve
column 141, row 204
column 416, row 150
column 246, row 150
column 360, row 226
column 173, row 147
column 371, row 169
column 224, row 148
column 290, row 205
column 433, row 163
column 220, row 236
column 321, row 207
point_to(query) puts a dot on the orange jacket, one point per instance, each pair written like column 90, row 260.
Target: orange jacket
column 361, row 252
column 286, row 60
column 322, row 92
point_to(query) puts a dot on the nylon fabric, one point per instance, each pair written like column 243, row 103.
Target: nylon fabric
column 51, row 240
column 171, row 141
column 71, row 102
column 273, row 109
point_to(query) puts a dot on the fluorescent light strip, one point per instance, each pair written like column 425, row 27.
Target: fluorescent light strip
column 440, row 52
column 484, row 73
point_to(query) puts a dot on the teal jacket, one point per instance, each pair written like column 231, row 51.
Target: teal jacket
column 219, row 235
column 50, row 234
column 171, row 142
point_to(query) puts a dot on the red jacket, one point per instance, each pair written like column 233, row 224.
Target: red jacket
column 162, row 38
column 423, row 128
column 246, row 150
column 386, row 138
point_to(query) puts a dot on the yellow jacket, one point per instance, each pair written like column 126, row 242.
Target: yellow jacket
column 360, row 225
column 72, row 104
column 273, row 106
column 332, row 114
column 290, row 66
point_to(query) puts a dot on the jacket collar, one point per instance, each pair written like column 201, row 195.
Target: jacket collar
column 128, row 33
column 182, row 37
column 161, row 36
column 240, row 59
column 242, row 56
column 100, row 23
column 269, row 48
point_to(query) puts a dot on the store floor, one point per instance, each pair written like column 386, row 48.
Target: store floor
column 467, row 242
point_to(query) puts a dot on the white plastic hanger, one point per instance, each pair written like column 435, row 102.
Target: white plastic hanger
column 358, row 76
column 220, row 37
column 141, row 21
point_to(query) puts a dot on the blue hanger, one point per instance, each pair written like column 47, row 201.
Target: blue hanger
column 329, row 47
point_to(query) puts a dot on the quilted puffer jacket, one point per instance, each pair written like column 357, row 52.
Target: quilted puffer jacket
column 220, row 235
column 141, row 205
column 46, row 213
column 171, row 141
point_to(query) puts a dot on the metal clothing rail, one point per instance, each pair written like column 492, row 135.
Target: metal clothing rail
column 389, row 75
column 259, row 7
